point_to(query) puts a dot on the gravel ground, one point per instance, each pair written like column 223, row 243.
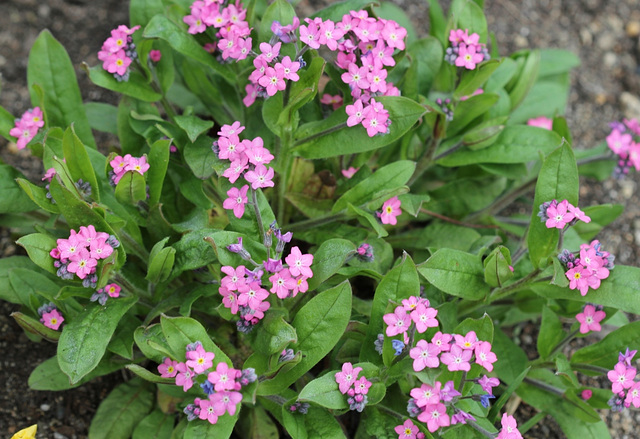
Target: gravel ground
column 605, row 34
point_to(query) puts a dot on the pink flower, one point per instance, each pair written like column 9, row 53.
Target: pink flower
column 82, row 264
column 119, row 163
column 196, row 25
column 587, row 394
column 289, row 68
column 435, row 416
column 347, row 377
column 394, row 35
column 252, row 295
column 225, row 402
column 468, row 57
column 23, row 133
column 229, row 130
column 230, row 147
column 236, row 168
column 383, row 55
column 208, row 411
column 362, row 386
column 229, row 299
column 424, row 317
column 426, row 394
column 223, row 378
column 237, row 200
column 335, row 101
column 283, row 283
column 484, row 356
column 89, row 234
column 138, row 165
column 579, row 214
column 619, row 143
column 411, row 303
column 309, row 35
column 424, row 355
column 407, row 430
column 541, row 122
column 261, row 177
column 590, row 319
column 33, row 117
column 457, row 358
column 377, row 80
column 398, row 322
column 621, row 377
column 579, row 278
column 273, row 80
column 509, row 428
column 52, row 319
column 390, row 210
column 442, row 341
column 234, row 277
column 113, row 290
column 184, row 377
column 49, row 174
column 302, row 286
column 559, row 215
column 457, row 36
column 374, row 122
column 633, row 395
column 257, row 154
column 155, row 55
column 356, row 76
column 270, row 52
column 69, row 247
column 355, row 113
column 488, row 384
column 99, row 249
column 117, row 63
column 168, row 368
column 199, row 359
column 299, row 264
column 468, row 341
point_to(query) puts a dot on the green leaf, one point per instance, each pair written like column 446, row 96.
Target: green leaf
column 324, row 392
column 516, row 144
column 275, row 335
column 84, row 340
column 319, row 324
column 48, row 376
column 37, row 194
column 121, row 411
column 519, row 87
column 158, row 163
column 149, row 376
column 302, row 91
column 483, row 327
column 546, row 98
column 161, row 27
column 131, row 188
column 156, row 425
column 468, row 110
column 150, row 340
column 102, row 117
column 512, row 360
column 328, row 259
column 34, row 326
column 427, row 54
column 7, row 121
column 474, row 79
column 556, row 61
column 14, row 199
column 320, row 424
column 38, row 246
column 399, row 283
column 367, row 219
column 160, row 262
column 312, row 143
column 557, row 180
column 201, row 159
column 50, row 68
column 605, row 352
column 220, row 430
column 601, row 216
column 375, row 189
column 77, row 159
column 337, row 10
column 193, row 126
column 497, row 267
column 141, row 11
column 466, row 14
column 494, row 412
column 181, row 331
column 136, row 87
column 280, row 11
column 455, row 272
column 550, row 334
column 6, row 265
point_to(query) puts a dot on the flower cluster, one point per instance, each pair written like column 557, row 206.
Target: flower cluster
column 558, row 215
column 626, row 390
column 118, row 52
column 50, row 316
column 356, row 389
column 221, row 386
column 229, row 19
column 271, row 71
column 121, row 165
column 248, row 159
column 466, row 50
column 587, row 268
column 624, row 141
column 27, row 127
column 101, row 295
column 390, row 210
column 242, row 289
column 590, row 318
column 79, row 254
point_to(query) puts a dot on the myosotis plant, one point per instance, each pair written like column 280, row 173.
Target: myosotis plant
column 303, row 229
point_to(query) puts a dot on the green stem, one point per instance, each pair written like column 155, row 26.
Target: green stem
column 480, row 430
column 531, row 422
column 320, row 134
column 544, row 386
column 503, row 201
column 500, row 293
column 136, row 248
column 316, row 222
column 256, row 210
column 449, row 151
column 563, row 343
column 425, row 161
column 391, row 412
column 285, row 170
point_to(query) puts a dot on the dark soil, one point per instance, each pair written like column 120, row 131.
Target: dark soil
column 605, row 34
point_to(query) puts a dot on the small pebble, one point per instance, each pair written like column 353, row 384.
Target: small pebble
column 45, row 407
